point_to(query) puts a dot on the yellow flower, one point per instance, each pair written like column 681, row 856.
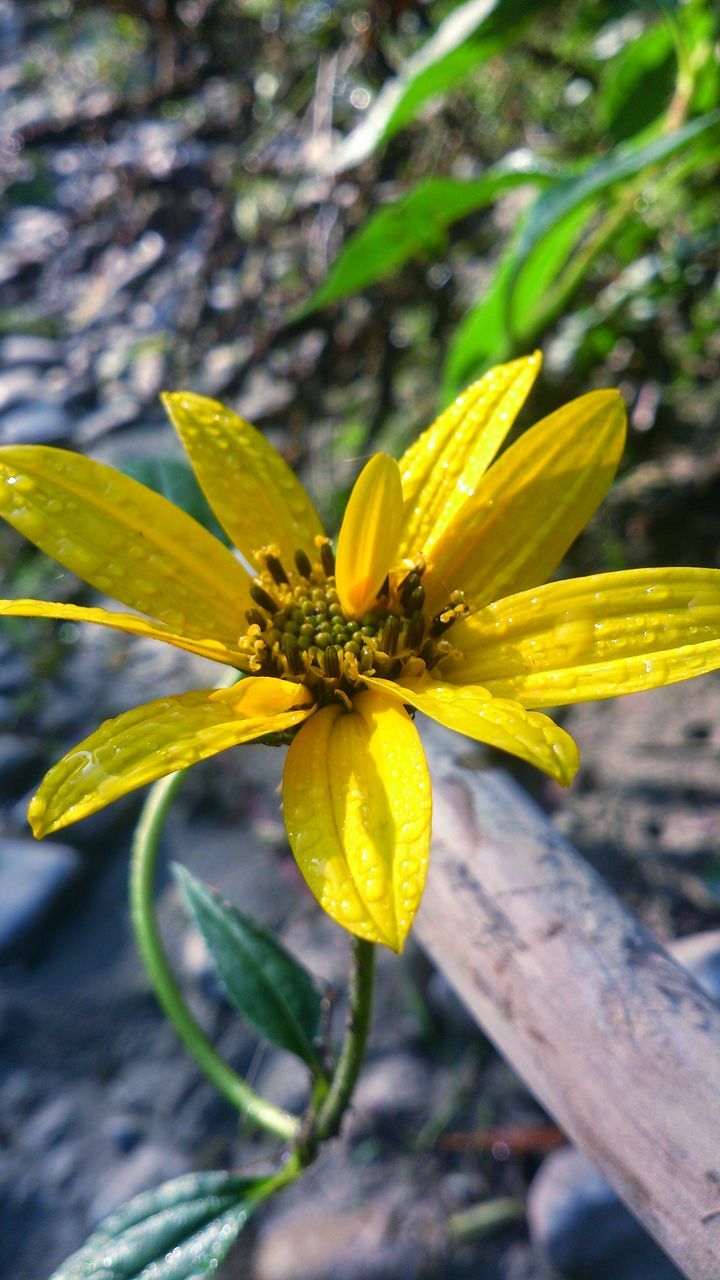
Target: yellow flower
column 431, row 603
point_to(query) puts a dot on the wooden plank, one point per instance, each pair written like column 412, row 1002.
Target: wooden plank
column 615, row 1039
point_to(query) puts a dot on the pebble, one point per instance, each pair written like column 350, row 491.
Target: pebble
column 367, row 1243
column 585, row 1229
column 34, row 878
column 145, row 1167
column 35, row 422
column 29, row 348
column 21, row 764
column 392, row 1092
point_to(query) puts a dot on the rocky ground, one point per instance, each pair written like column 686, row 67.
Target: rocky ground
column 159, row 231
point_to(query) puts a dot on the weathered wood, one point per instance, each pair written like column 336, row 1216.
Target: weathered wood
column 611, row 1034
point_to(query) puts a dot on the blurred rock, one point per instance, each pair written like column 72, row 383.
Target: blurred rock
column 585, row 1229
column 392, row 1092
column 449, row 1009
column 29, row 348
column 35, row 422
column 145, row 1167
column 369, row 1243
column 21, row 764
column 34, row 879
column 700, row 953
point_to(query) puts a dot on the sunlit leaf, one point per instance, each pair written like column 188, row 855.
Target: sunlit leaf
column 637, row 84
column 175, row 480
column 470, row 34
column 514, row 309
column 181, row 1230
column 264, row 982
column 416, row 225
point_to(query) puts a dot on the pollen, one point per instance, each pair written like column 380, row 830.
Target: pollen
column 297, row 628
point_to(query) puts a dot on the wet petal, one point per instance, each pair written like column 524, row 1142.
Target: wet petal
column 123, row 539
column 131, row 623
column 254, row 493
column 158, row 738
column 498, row 722
column 532, row 503
column 368, row 540
column 594, row 637
column 356, row 795
column 441, row 470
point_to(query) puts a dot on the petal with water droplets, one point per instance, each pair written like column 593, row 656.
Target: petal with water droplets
column 255, row 495
column 531, row 505
column 594, row 637
column 131, row 623
column 357, row 803
column 443, row 467
column 498, row 722
column 122, row 538
column 159, row 738
column 368, row 540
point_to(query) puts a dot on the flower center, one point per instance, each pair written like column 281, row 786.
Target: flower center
column 297, row 628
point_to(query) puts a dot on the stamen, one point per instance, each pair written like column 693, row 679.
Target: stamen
column 327, row 558
column 275, row 567
column 408, row 586
column 390, row 634
column 264, row 599
column 256, row 618
column 415, row 631
column 302, row 562
column 331, row 663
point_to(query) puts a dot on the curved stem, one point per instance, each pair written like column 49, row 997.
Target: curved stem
column 333, row 1108
column 142, row 883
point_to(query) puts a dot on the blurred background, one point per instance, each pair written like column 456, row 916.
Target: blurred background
column 333, row 216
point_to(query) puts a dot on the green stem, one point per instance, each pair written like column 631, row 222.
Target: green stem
column 142, row 884
column 330, row 1115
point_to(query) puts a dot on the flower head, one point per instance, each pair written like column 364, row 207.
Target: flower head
column 431, row 601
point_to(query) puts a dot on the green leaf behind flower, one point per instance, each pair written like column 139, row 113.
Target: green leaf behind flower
column 263, row 981
column 181, row 1230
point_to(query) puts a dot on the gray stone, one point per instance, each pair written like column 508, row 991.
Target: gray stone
column 29, row 348
column 392, row 1092
column 585, row 1229
column 34, row 878
column 700, row 953
column 21, row 764
column 35, row 422
column 14, row 673
column 145, row 1167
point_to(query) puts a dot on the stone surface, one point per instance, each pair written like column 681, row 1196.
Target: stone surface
column 33, row 880
column 585, row 1230
column 21, row 764
column 35, row 422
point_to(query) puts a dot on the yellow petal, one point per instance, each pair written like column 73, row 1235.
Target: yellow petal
column 593, row 637
column 256, row 496
column 158, row 738
column 356, row 795
column 368, row 540
column 498, row 722
column 123, row 539
column 532, row 503
column 134, row 625
column 441, row 470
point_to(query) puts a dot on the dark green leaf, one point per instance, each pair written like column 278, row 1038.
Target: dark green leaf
column 181, row 1230
column 275, row 993
column 637, row 84
column 470, row 34
column 514, row 309
column 176, row 481
column 416, row 224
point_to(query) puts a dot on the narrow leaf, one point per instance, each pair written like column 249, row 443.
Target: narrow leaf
column 469, row 35
column 181, row 1230
column 416, row 225
column 263, row 981
column 511, row 313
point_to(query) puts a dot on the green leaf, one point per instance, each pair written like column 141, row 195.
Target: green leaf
column 264, row 982
column 514, row 309
column 637, row 84
column 416, row 224
column 469, row 35
column 176, row 481
column 181, row 1230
